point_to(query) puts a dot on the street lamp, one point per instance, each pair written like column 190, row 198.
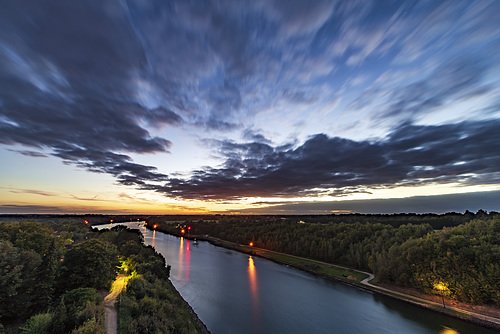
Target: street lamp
column 441, row 288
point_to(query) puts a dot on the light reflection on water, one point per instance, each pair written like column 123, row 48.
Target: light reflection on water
column 180, row 270
column 183, row 262
column 252, row 275
column 448, row 330
column 186, row 263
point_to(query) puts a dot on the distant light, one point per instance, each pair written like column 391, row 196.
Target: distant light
column 111, row 221
column 183, row 231
column 155, row 225
column 86, row 222
column 189, row 227
column 251, row 244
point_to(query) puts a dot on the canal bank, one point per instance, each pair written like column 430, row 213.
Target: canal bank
column 350, row 277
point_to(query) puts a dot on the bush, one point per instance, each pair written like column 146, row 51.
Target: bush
column 38, row 324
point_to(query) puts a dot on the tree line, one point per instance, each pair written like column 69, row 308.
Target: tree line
column 461, row 261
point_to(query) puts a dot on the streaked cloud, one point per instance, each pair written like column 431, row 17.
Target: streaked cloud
column 288, row 98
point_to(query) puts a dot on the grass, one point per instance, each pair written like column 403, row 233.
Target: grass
column 320, row 268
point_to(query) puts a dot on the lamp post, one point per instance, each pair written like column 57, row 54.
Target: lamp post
column 441, row 288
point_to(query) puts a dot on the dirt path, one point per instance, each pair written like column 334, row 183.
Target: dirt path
column 111, row 319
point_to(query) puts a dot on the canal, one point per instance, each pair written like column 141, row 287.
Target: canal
column 236, row 293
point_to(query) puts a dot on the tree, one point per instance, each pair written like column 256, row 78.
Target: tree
column 17, row 269
column 46, row 271
column 90, row 264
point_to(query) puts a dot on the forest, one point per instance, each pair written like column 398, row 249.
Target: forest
column 54, row 275
column 457, row 255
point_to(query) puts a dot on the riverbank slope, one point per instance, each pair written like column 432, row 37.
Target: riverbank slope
column 486, row 316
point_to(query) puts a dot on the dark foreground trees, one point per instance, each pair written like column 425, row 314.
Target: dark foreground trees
column 53, row 276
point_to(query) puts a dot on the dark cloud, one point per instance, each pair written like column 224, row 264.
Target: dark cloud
column 488, row 200
column 31, row 191
column 47, row 209
column 255, row 136
column 17, row 209
column 411, row 155
column 68, row 77
column 32, row 154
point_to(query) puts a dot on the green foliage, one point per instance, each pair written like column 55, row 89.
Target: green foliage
column 17, row 280
column 30, row 236
column 465, row 256
column 89, row 264
column 77, row 307
column 151, row 305
column 45, row 275
column 38, row 324
column 91, row 326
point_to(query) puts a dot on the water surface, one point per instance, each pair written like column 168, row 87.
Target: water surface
column 236, row 293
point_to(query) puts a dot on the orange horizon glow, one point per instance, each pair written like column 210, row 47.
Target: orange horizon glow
column 109, row 205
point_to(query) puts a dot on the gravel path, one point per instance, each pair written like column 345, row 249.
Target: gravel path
column 111, row 319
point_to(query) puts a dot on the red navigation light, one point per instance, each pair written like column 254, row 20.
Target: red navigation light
column 251, row 244
column 189, row 228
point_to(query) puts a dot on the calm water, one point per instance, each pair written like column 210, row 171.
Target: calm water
column 235, row 293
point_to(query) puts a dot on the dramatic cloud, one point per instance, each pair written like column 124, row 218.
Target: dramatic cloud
column 411, row 155
column 329, row 97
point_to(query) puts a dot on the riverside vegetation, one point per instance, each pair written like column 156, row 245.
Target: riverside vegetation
column 54, row 274
column 455, row 255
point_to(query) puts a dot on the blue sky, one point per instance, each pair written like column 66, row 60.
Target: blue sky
column 243, row 106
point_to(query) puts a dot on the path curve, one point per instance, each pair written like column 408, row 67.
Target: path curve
column 111, row 317
column 401, row 295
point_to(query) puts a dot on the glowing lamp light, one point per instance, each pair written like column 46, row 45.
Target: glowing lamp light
column 251, row 244
column 86, row 222
column 441, row 287
column 111, row 221
column 155, row 225
column 189, row 228
column 183, row 231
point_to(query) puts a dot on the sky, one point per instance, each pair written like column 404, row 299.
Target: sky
column 263, row 106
